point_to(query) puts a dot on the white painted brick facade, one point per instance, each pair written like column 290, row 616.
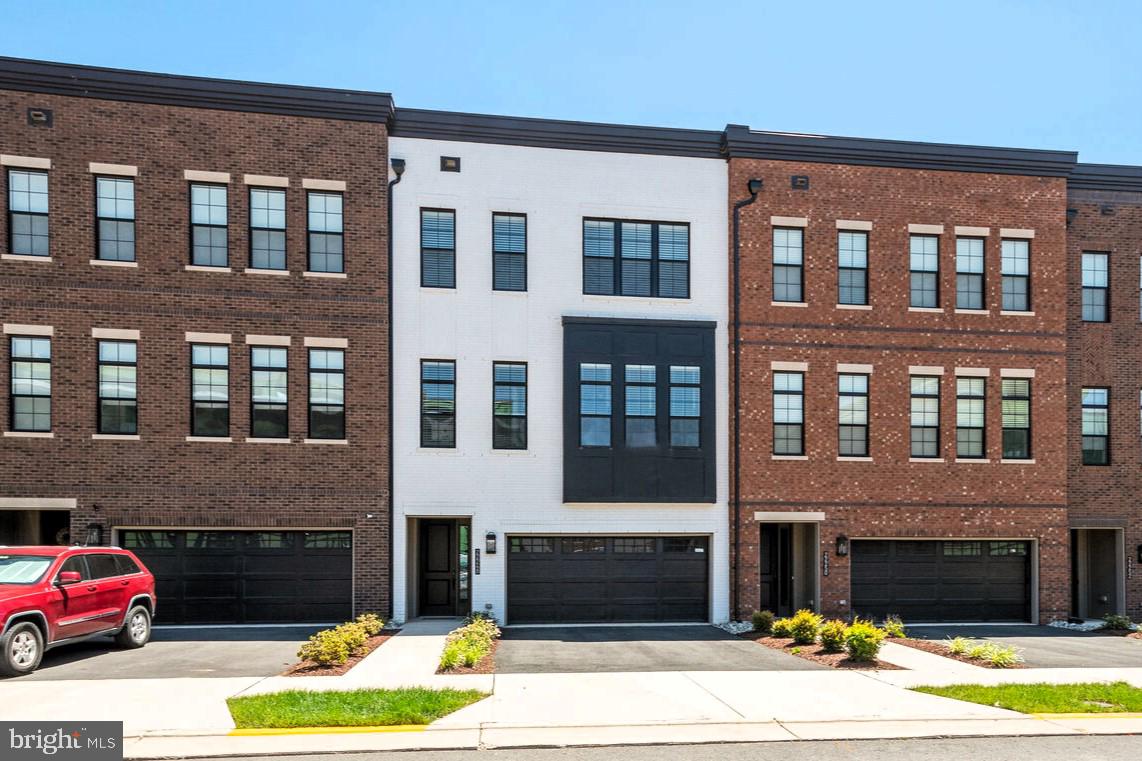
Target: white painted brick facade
column 521, row 492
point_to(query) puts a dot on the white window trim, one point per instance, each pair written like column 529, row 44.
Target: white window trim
column 16, row 329
column 337, row 186
column 255, row 340
column 858, row 369
column 218, row 178
column 789, row 367
column 1016, row 232
column 788, row 304
column 789, row 221
column 265, row 180
column 326, row 343
column 112, row 263
column 926, row 229
column 260, row 271
column 207, row 338
column 333, row 275
column 25, row 258
column 972, row 232
column 117, row 170
column 202, row 268
column 25, row 162
column 925, row 370
column 854, row 224
column 115, row 334
column 38, row 503
column 973, row 372
column 1009, row 372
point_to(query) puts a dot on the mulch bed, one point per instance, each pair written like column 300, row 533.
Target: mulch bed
column 937, row 648
column 1118, row 633
column 817, row 654
column 309, row 668
column 486, row 665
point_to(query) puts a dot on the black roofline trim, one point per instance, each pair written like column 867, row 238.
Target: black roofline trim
column 569, row 319
column 1106, row 177
column 193, row 92
column 555, row 133
column 742, row 142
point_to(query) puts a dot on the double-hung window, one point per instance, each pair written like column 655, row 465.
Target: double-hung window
column 31, row 376
column 208, row 226
column 267, row 229
column 1096, row 426
column 925, row 415
column 437, row 404
column 326, row 394
column 924, row 271
column 115, row 217
column 685, row 406
column 118, row 394
column 852, row 267
column 970, row 417
column 509, row 405
column 852, row 415
column 1016, row 408
column 636, row 258
column 509, row 252
column 641, row 401
column 326, row 227
column 788, row 413
column 788, row 264
column 27, row 212
column 1095, row 287
column 594, row 405
column 437, row 248
column 210, row 390
column 969, row 273
column 1015, row 268
column 269, row 392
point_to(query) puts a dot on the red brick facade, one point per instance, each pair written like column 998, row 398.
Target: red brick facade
column 889, row 496
column 162, row 479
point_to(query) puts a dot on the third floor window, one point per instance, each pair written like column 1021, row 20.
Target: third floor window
column 636, row 258
column 852, row 267
column 27, row 213
column 115, row 212
column 509, row 252
column 1095, row 287
column 924, row 266
column 437, row 248
column 267, row 229
column 1015, row 262
column 969, row 273
column 208, row 226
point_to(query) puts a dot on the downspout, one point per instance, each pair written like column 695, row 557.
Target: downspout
column 398, row 170
column 754, row 186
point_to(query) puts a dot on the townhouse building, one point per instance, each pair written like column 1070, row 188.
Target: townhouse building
column 193, row 288
column 560, row 395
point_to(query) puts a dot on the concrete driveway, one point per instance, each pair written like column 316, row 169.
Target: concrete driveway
column 596, row 649
column 1048, row 646
column 177, row 652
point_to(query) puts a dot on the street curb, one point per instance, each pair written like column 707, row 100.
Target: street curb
column 1099, row 715
column 266, row 732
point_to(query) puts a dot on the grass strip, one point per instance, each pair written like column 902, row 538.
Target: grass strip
column 349, row 708
column 1085, row 697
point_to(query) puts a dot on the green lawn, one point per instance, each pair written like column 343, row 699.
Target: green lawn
column 1088, row 697
column 352, row 708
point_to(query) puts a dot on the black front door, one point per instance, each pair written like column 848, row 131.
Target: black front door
column 438, row 568
column 776, row 569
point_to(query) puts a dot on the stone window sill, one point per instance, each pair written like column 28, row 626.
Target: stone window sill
column 339, row 442
column 29, row 434
column 789, row 457
column 788, row 303
column 201, row 268
column 842, row 458
column 931, row 310
column 112, row 263
column 925, row 459
column 260, row 440
column 214, row 439
column 25, row 258
column 331, row 275
column 860, row 307
column 973, row 460
column 260, row 271
column 115, row 436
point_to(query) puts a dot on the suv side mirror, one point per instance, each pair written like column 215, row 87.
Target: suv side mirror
column 68, row 577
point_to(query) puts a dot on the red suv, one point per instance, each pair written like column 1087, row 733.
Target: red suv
column 53, row 596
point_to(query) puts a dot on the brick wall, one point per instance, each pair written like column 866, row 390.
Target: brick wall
column 162, row 479
column 891, row 496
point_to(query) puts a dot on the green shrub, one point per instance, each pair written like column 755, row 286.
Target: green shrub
column 796, row 651
column 979, row 650
column 327, row 647
column 1117, row 623
column 355, row 635
column 893, row 626
column 959, row 646
column 803, row 627
column 762, row 621
column 1002, row 657
column 469, row 644
column 782, row 628
column 479, row 615
column 863, row 641
column 372, row 623
column 833, row 635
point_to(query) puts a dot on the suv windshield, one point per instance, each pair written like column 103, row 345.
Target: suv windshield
column 23, row 569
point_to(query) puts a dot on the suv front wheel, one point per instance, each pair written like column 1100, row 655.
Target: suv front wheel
column 136, row 632
column 21, row 649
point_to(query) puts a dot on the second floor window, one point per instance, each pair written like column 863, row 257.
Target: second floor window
column 788, row 414
column 594, row 405
column 925, row 416
column 269, row 395
column 1095, row 285
column 115, row 215
column 267, row 229
column 509, row 405
column 852, row 415
column 209, row 390
column 1015, row 268
column 969, row 273
column 27, row 213
column 438, row 404
column 924, row 266
column 1096, row 426
column 118, row 392
column 31, row 377
column 788, row 269
column 636, row 259
column 641, row 403
column 509, row 252
column 326, row 232
column 326, row 394
column 437, row 248
column 970, row 417
column 208, row 226
column 685, row 406
column 1016, row 404
column 852, row 267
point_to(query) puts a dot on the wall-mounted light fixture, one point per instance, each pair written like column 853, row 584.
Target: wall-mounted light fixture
column 842, row 546
column 94, row 536
column 449, row 163
column 490, row 543
column 398, row 166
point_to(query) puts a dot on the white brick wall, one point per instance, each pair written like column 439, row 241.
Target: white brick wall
column 519, row 492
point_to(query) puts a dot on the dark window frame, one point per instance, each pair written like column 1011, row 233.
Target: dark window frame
column 616, row 258
column 981, row 275
column 981, row 428
column 799, row 267
column 13, row 396
column 284, row 229
column 424, row 415
column 310, row 232
column 610, row 417
column 310, row 404
column 451, row 251
column 192, row 225
column 1105, row 437
column 671, row 417
column 866, row 395
column 99, row 398
column 1104, row 289
column 495, row 415
column 100, row 218
column 912, row 426
column 639, row 383
column 1004, row 277
column 1028, row 454
column 842, row 268
column 497, row 254
column 799, row 393
column 254, row 405
column 12, row 213
column 912, row 272
column 193, row 367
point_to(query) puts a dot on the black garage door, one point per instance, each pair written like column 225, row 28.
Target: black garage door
column 942, row 580
column 247, row 577
column 596, row 579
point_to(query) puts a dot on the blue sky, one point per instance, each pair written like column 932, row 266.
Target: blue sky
column 1045, row 74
